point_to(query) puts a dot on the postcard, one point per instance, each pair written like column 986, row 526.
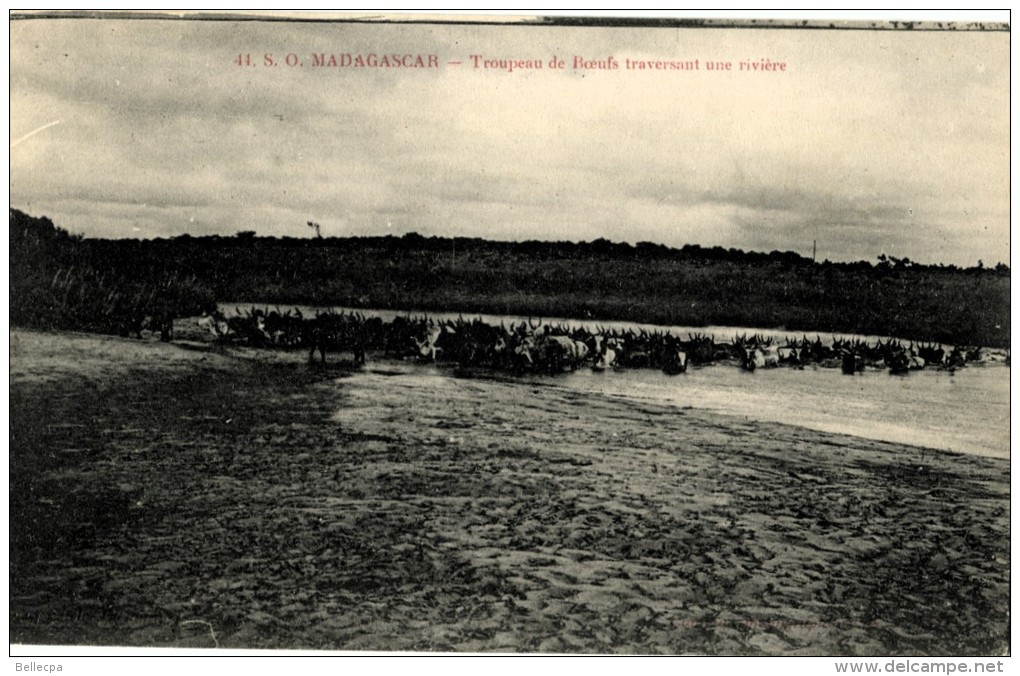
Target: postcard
column 509, row 335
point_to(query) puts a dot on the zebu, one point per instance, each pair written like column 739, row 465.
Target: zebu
column 332, row 332
column 556, row 354
column 766, row 356
column 673, row 358
column 606, row 352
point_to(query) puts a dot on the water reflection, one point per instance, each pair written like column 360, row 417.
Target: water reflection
column 966, row 411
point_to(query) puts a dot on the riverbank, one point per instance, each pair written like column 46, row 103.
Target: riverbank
column 188, row 495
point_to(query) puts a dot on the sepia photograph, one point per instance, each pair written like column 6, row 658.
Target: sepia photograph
column 509, row 335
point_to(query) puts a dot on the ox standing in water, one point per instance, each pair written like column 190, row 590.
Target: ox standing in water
column 760, row 357
column 334, row 332
column 434, row 342
column 606, row 352
column 674, row 358
column 851, row 362
column 557, row 354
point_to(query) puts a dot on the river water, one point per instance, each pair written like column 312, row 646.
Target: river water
column 966, row 411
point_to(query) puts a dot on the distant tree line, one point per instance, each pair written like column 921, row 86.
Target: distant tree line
column 646, row 282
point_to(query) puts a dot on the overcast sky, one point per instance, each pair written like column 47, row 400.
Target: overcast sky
column 870, row 142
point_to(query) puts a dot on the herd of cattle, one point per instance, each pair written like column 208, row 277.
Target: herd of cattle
column 545, row 348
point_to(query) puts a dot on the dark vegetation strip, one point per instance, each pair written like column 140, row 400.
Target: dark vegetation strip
column 63, row 281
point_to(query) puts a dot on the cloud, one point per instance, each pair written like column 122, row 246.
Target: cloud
column 871, row 141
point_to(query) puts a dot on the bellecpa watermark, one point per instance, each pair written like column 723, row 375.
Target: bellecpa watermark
column 36, row 666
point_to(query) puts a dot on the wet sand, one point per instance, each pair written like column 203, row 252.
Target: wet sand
column 193, row 496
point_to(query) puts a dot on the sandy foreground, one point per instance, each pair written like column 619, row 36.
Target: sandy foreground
column 191, row 495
